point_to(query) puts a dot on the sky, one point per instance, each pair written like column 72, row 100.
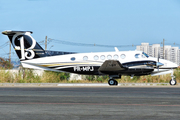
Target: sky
column 105, row 22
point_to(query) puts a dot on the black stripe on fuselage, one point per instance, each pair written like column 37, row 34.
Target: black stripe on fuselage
column 136, row 63
column 93, row 70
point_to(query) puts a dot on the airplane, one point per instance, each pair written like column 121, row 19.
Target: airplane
column 115, row 64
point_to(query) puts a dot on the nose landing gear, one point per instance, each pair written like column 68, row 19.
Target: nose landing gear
column 173, row 80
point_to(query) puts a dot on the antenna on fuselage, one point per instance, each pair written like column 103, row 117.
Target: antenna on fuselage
column 116, row 49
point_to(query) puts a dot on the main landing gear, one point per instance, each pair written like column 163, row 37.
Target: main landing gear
column 112, row 82
column 173, row 80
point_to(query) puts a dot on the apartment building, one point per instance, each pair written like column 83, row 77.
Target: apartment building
column 169, row 53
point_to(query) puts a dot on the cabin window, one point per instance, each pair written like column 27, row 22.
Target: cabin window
column 85, row 58
column 109, row 57
column 73, row 58
column 115, row 57
column 102, row 57
column 96, row 57
column 123, row 56
column 137, row 55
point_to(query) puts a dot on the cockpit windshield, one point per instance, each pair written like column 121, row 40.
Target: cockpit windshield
column 145, row 54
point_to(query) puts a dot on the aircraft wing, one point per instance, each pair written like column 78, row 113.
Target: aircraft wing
column 111, row 66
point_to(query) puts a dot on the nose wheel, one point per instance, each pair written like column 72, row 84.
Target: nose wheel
column 172, row 81
column 112, row 82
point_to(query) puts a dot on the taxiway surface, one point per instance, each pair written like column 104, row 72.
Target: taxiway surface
column 90, row 103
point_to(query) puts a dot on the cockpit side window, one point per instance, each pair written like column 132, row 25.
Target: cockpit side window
column 137, row 55
column 145, row 54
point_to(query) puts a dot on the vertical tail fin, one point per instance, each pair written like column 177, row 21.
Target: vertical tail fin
column 25, row 45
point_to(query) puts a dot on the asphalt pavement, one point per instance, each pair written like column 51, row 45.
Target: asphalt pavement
column 89, row 103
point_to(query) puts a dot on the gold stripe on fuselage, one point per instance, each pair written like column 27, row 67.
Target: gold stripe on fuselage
column 52, row 65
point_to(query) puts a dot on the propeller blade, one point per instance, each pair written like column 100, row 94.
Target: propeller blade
column 158, row 61
column 158, row 56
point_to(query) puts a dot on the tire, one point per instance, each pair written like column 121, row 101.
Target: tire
column 172, row 82
column 111, row 82
column 116, row 82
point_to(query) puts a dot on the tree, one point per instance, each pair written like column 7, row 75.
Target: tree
column 5, row 63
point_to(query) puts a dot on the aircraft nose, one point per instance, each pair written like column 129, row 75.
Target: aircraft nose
column 168, row 64
column 175, row 65
column 172, row 65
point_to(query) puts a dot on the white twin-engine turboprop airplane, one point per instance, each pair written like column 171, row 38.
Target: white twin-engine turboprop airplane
column 115, row 64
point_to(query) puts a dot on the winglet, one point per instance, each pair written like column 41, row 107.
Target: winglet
column 116, row 49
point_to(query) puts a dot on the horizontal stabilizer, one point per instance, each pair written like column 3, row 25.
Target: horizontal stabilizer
column 10, row 32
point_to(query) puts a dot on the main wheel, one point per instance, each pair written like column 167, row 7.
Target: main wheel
column 111, row 82
column 172, row 82
column 116, row 82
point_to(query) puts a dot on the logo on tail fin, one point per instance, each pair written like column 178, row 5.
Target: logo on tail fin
column 25, row 45
column 26, row 52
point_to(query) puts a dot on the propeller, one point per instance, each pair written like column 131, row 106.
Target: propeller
column 158, row 61
column 156, row 64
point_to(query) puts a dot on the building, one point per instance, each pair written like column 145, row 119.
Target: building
column 155, row 50
column 174, row 54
